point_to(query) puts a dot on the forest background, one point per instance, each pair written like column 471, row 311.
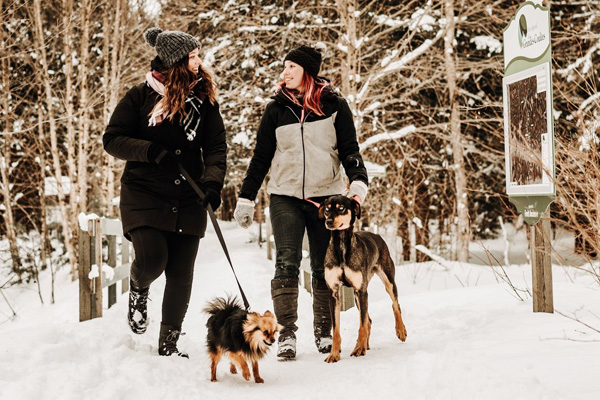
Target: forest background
column 423, row 80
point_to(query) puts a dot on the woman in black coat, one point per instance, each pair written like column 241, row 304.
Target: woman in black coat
column 172, row 118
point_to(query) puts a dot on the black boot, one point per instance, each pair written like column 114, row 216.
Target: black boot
column 167, row 341
column 284, row 292
column 322, row 315
column 138, row 309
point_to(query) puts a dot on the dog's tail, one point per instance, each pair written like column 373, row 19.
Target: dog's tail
column 218, row 304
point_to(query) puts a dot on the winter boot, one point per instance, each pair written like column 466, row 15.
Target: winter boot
column 167, row 341
column 286, row 349
column 322, row 315
column 284, row 292
column 138, row 309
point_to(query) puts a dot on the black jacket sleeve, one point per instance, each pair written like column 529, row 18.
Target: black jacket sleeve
column 119, row 139
column 214, row 149
column 348, row 144
column 263, row 154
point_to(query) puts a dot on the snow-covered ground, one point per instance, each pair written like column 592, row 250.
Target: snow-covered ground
column 469, row 337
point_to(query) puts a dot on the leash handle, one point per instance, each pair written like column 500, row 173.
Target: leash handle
column 213, row 219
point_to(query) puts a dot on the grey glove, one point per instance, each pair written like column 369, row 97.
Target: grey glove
column 244, row 212
column 358, row 189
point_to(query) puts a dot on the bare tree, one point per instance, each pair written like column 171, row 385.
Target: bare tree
column 83, row 123
column 423, row 80
column 57, row 162
column 460, row 175
column 5, row 151
column 122, row 48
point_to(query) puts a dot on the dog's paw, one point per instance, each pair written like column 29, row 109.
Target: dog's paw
column 401, row 333
column 359, row 350
column 232, row 369
column 258, row 379
column 331, row 358
column 246, row 375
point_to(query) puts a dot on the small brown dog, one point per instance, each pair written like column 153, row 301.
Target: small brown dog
column 241, row 335
column 352, row 259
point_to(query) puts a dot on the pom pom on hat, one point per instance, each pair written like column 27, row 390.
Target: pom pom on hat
column 151, row 34
column 171, row 46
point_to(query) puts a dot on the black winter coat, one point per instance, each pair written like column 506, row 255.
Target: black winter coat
column 151, row 196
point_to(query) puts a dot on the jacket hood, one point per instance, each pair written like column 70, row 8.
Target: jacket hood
column 328, row 96
column 157, row 65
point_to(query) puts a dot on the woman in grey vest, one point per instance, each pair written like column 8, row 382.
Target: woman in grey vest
column 305, row 135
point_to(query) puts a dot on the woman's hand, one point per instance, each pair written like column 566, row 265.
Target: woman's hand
column 163, row 158
column 244, row 212
column 358, row 191
column 212, row 196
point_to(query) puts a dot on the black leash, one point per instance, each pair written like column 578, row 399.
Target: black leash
column 213, row 218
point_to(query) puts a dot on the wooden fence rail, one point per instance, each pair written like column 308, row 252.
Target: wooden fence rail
column 94, row 275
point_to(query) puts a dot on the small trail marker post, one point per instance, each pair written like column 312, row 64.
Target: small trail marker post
column 529, row 135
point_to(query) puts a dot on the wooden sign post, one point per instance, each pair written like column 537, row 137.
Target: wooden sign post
column 541, row 267
column 529, row 135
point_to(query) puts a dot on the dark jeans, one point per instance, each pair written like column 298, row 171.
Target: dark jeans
column 174, row 254
column 289, row 218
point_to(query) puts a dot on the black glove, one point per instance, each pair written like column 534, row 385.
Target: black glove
column 212, row 195
column 163, row 158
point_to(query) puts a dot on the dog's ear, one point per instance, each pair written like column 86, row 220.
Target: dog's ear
column 268, row 314
column 321, row 213
column 252, row 320
column 356, row 206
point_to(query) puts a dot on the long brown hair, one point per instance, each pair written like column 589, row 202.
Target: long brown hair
column 312, row 90
column 178, row 84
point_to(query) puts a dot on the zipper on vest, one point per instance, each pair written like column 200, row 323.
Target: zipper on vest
column 301, row 120
column 303, row 152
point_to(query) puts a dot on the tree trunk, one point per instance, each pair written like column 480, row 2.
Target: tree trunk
column 113, row 42
column 45, row 82
column 8, row 216
column 5, row 157
column 84, row 118
column 70, row 143
column 349, row 69
column 45, row 245
column 460, row 176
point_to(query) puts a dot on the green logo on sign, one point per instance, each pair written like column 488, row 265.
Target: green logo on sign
column 522, row 30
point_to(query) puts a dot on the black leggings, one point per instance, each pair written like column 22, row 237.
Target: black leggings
column 157, row 251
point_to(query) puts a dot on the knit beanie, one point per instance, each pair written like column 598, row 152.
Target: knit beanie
column 171, row 46
column 307, row 57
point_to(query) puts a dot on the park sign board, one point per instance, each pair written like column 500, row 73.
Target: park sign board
column 528, row 111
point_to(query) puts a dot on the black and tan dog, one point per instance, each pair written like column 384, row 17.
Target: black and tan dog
column 352, row 259
column 241, row 335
